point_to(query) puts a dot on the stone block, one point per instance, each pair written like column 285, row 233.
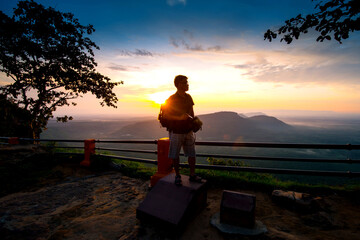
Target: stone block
column 172, row 206
column 237, row 209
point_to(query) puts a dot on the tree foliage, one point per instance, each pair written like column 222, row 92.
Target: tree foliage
column 14, row 120
column 50, row 60
column 334, row 18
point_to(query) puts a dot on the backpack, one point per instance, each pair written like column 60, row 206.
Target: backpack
column 163, row 121
column 194, row 124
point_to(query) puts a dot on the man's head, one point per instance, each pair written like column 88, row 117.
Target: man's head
column 181, row 82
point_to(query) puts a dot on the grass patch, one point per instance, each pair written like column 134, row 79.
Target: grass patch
column 232, row 180
column 264, row 181
column 130, row 168
column 22, row 174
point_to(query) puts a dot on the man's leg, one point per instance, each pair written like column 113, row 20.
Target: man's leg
column 174, row 150
column 191, row 161
column 193, row 176
column 176, row 163
column 189, row 150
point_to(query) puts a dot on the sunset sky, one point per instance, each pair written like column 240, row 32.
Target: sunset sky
column 219, row 45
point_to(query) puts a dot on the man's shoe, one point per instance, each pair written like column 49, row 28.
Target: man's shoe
column 178, row 181
column 195, row 178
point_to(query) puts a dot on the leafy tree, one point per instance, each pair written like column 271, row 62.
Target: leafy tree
column 335, row 17
column 14, row 120
column 50, row 61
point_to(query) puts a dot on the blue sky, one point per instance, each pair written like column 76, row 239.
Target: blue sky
column 219, row 45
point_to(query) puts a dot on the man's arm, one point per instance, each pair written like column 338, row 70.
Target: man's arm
column 170, row 116
column 169, row 113
column 192, row 112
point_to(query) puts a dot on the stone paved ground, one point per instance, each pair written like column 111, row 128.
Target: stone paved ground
column 103, row 206
column 77, row 203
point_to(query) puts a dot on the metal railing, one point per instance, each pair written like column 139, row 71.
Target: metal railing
column 348, row 147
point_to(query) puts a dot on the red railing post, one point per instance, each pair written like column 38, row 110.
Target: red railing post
column 14, row 140
column 89, row 149
column 165, row 164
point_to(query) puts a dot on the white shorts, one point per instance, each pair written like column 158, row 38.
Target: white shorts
column 186, row 141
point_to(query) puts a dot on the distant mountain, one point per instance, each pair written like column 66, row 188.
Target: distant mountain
column 150, row 129
column 270, row 123
column 252, row 114
column 230, row 126
column 82, row 129
column 224, row 126
column 220, row 126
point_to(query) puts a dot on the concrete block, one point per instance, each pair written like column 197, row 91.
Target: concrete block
column 173, row 206
column 238, row 209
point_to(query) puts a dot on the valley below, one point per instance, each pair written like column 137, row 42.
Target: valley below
column 234, row 127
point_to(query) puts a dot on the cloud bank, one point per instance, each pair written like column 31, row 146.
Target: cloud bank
column 175, row 2
column 137, row 52
column 188, row 42
column 122, row 68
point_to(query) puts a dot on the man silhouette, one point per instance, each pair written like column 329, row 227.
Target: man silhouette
column 178, row 109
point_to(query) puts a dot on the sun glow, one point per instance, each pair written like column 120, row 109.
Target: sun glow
column 160, row 97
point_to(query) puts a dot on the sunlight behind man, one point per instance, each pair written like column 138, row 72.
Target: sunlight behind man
column 160, row 97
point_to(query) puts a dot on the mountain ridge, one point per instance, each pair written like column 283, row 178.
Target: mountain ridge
column 217, row 126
